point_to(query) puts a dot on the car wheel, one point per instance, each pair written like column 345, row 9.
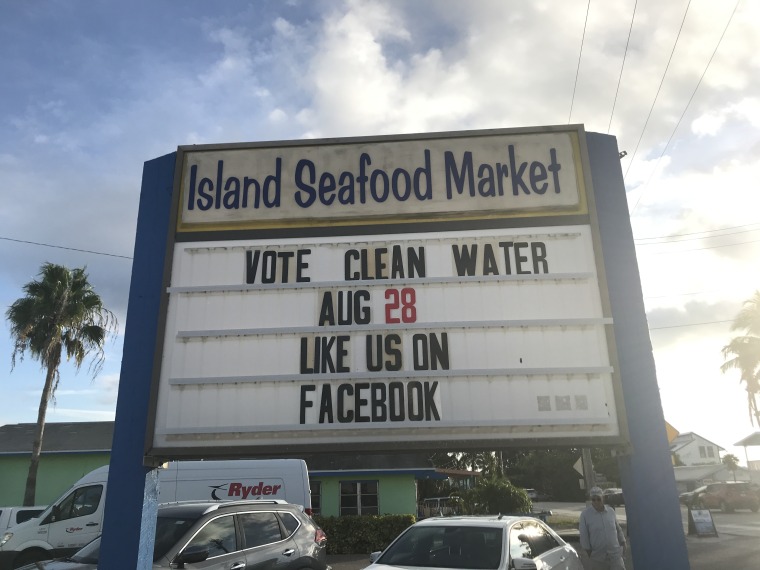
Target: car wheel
column 754, row 509
column 29, row 557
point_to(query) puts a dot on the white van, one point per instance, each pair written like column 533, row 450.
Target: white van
column 76, row 517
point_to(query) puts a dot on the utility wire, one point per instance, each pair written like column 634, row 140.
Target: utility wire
column 683, row 294
column 62, row 247
column 690, row 325
column 628, row 41
column 658, row 90
column 695, row 236
column 577, row 71
column 678, row 124
column 700, row 248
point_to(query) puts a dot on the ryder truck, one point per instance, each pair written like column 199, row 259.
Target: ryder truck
column 76, row 517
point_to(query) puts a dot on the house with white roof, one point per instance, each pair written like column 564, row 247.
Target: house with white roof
column 689, row 449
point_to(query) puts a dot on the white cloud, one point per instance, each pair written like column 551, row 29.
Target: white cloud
column 80, row 415
column 235, row 63
column 284, row 28
column 277, row 116
column 711, row 122
column 79, row 128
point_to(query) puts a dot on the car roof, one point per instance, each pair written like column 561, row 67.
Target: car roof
column 492, row 520
column 200, row 508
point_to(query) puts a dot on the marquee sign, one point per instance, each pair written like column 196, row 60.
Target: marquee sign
column 387, row 178
column 351, row 294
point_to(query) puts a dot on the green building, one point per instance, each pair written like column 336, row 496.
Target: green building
column 340, row 484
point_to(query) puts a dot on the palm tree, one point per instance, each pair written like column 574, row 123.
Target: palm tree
column 731, row 463
column 59, row 312
column 743, row 353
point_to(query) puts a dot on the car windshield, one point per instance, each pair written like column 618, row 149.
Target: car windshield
column 447, row 546
column 168, row 531
column 88, row 554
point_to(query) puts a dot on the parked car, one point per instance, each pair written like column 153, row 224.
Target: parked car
column 482, row 542
column 614, row 496
column 688, row 497
column 535, row 495
column 223, row 535
column 728, row 496
column 86, row 558
column 439, row 507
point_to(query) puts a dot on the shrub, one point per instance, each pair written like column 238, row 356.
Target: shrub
column 362, row 534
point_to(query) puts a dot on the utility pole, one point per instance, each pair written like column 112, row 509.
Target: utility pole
column 588, row 469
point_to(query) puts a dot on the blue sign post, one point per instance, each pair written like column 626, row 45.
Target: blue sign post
column 132, row 493
column 648, row 480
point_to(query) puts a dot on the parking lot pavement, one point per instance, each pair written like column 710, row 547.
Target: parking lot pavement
column 348, row 561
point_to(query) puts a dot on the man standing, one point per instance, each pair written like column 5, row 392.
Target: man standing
column 601, row 535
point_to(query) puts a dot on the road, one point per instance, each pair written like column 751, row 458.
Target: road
column 737, row 524
column 735, row 547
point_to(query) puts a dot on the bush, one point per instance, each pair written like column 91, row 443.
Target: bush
column 496, row 496
column 362, row 534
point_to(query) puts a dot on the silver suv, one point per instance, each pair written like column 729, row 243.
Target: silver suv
column 224, row 535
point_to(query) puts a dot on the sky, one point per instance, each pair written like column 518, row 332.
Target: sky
column 90, row 91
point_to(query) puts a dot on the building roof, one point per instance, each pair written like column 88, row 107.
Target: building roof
column 96, row 437
column 717, row 472
column 696, row 472
column 685, row 438
column 59, row 437
column 750, row 440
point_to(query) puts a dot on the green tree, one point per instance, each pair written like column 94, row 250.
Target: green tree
column 495, row 495
column 731, row 462
column 743, row 353
column 59, row 314
column 485, row 462
column 548, row 470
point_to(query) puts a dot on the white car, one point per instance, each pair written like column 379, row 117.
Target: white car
column 535, row 495
column 478, row 543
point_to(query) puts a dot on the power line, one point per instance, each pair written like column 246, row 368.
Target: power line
column 691, row 325
column 577, row 71
column 658, row 89
column 62, row 247
column 678, row 124
column 682, row 294
column 628, row 41
column 701, row 248
column 667, row 239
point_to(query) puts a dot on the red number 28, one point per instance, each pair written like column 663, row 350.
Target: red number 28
column 400, row 301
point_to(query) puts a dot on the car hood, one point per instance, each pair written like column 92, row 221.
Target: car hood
column 389, row 567
column 59, row 565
